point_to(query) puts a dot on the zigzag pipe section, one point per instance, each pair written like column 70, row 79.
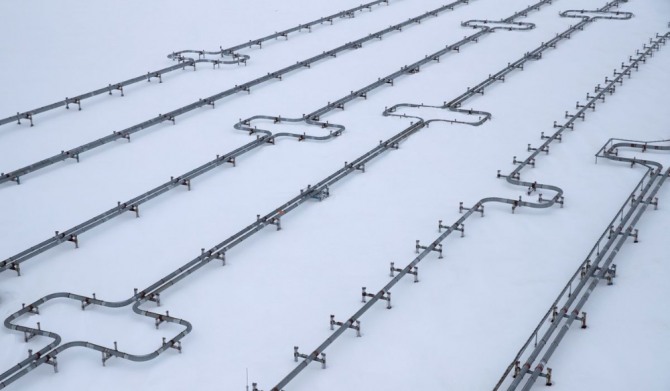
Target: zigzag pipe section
column 231, row 52
column 72, row 234
column 48, row 355
column 570, row 293
column 74, row 153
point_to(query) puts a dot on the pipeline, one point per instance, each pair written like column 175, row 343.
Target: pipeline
column 152, row 293
column 456, row 104
column 171, row 116
column 384, row 293
column 568, row 291
column 218, row 252
column 72, row 234
column 314, row 118
column 591, row 272
column 231, row 52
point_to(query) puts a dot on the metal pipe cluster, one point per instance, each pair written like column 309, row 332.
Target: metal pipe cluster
column 576, row 284
column 15, row 175
column 152, row 293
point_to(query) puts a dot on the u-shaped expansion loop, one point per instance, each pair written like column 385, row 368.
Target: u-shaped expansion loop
column 334, row 129
column 492, row 25
column 14, row 262
column 596, row 14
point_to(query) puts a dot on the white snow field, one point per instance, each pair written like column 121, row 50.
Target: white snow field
column 460, row 327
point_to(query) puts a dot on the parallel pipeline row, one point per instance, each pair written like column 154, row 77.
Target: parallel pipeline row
column 48, row 355
column 597, row 266
column 231, row 53
column 72, row 234
column 207, row 256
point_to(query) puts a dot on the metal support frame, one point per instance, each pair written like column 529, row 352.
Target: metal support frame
column 352, row 324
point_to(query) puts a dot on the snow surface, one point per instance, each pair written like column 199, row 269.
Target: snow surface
column 459, row 327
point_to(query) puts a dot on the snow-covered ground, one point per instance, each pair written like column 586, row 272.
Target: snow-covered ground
column 459, row 327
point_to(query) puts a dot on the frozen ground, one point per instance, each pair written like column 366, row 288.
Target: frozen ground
column 459, row 327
